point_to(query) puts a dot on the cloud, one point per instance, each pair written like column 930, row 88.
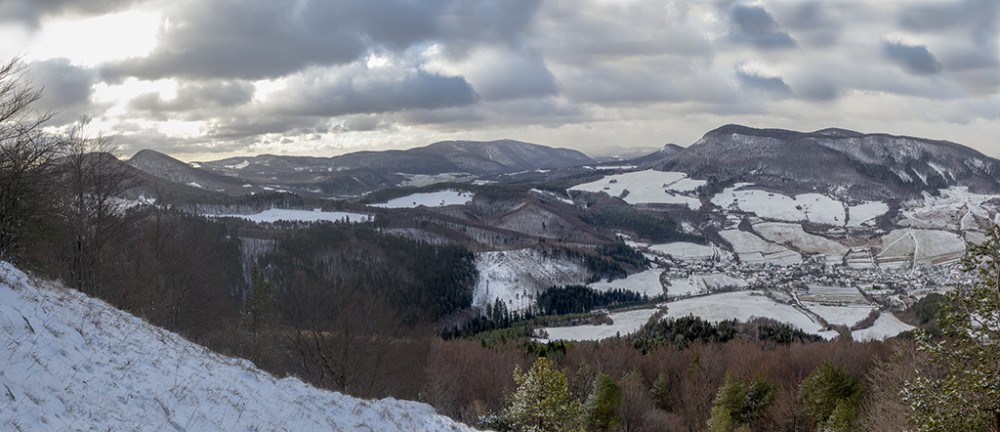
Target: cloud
column 197, row 96
column 255, row 39
column 753, row 25
column 915, row 59
column 66, row 89
column 357, row 89
column 502, row 74
column 772, row 87
column 30, row 12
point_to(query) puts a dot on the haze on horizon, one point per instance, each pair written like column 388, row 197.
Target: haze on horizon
column 206, row 79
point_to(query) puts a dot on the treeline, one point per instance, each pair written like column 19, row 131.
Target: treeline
column 652, row 226
column 579, row 299
column 684, row 331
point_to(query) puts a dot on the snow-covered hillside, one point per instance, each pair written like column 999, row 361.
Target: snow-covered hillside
column 275, row 215
column 517, row 276
column 77, row 364
column 429, row 199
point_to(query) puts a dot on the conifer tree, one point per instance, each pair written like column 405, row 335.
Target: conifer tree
column 542, row 401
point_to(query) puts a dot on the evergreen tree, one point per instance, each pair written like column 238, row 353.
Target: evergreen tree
column 603, row 403
column 739, row 404
column 965, row 395
column 830, row 395
column 661, row 391
column 259, row 307
column 542, row 402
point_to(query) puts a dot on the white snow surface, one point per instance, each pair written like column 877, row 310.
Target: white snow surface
column 74, row 363
column 645, row 282
column 648, row 187
column 625, row 323
column 275, row 215
column 848, row 314
column 753, row 249
column 810, row 207
column 429, row 199
column 684, row 251
column 517, row 276
column 741, row 306
column 886, row 326
column 703, row 284
column 865, row 212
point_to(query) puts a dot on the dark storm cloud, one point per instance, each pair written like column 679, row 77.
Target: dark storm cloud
column 362, row 91
column 753, row 25
column 66, row 89
column 256, row 39
column 30, row 12
column 195, row 96
column 915, row 59
column 772, row 87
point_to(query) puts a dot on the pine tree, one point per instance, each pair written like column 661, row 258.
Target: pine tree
column 661, row 391
column 603, row 403
column 542, row 401
column 965, row 395
column 830, row 395
column 259, row 306
column 739, row 404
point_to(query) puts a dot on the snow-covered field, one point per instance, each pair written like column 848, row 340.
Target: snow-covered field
column 794, row 236
column 645, row 282
column 742, row 306
column 833, row 294
column 684, row 251
column 275, row 215
column 625, row 323
column 753, row 249
column 847, row 315
column 810, row 207
column 429, row 199
column 648, row 187
column 703, row 284
column 74, row 363
column 900, row 247
column 953, row 209
column 420, row 180
column 887, row 325
column 860, row 214
column 517, row 276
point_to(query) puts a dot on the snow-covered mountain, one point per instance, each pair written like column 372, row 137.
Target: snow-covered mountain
column 74, row 363
column 861, row 166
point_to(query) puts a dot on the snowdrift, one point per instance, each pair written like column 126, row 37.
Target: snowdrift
column 70, row 362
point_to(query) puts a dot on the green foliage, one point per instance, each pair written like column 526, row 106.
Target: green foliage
column 580, row 299
column 661, row 391
column 603, row 404
column 739, row 404
column 541, row 403
column 964, row 394
column 926, row 309
column 682, row 332
column 830, row 396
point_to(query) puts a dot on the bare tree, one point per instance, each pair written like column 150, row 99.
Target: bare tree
column 26, row 161
column 94, row 179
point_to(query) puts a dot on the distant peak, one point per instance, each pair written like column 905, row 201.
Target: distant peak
column 838, row 133
column 735, row 129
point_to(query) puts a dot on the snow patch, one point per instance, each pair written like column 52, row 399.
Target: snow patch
column 516, row 277
column 429, row 199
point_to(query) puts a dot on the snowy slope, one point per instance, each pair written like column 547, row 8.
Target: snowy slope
column 74, row 363
column 429, row 199
column 275, row 215
column 517, row 276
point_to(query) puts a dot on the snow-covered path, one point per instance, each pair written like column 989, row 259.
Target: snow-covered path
column 73, row 363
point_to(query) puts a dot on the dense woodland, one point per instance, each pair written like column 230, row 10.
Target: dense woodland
column 349, row 308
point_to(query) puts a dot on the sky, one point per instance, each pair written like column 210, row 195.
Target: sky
column 207, row 79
